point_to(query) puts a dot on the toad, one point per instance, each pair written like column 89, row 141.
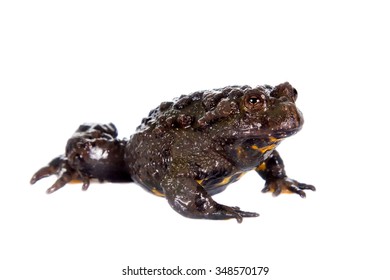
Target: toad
column 191, row 148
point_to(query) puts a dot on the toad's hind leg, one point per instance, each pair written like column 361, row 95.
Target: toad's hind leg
column 93, row 152
column 191, row 200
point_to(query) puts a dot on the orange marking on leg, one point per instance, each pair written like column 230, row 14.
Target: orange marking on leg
column 273, row 139
column 157, row 192
column 263, row 149
column 224, row 181
column 261, row 167
column 75, row 181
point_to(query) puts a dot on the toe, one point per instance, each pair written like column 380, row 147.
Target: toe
column 306, row 187
column 61, row 182
column 42, row 173
column 85, row 184
column 296, row 189
column 278, row 188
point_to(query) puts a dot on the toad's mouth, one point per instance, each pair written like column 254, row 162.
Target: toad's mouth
column 258, row 133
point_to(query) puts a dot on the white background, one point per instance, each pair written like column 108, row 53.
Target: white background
column 69, row 62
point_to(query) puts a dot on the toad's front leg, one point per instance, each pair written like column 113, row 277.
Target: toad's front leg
column 276, row 180
column 191, row 200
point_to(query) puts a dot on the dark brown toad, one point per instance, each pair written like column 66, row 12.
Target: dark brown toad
column 191, row 148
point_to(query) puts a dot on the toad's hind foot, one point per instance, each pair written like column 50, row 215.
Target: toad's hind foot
column 59, row 166
column 191, row 200
column 226, row 212
column 53, row 168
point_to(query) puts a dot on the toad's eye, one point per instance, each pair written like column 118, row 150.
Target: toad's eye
column 295, row 94
column 254, row 101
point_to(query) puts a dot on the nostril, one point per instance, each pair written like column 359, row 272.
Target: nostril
column 283, row 99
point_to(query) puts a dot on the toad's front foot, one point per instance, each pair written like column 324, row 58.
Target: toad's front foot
column 60, row 167
column 286, row 185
